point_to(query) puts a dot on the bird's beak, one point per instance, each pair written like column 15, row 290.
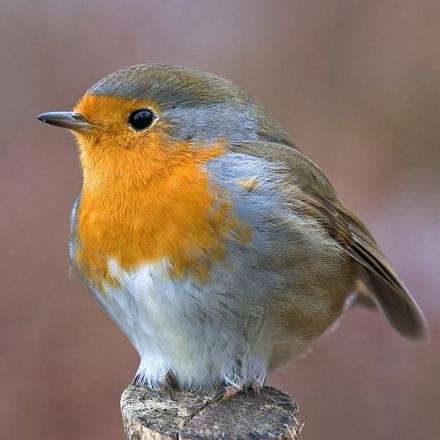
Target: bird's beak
column 71, row 120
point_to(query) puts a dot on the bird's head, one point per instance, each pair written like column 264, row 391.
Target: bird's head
column 149, row 117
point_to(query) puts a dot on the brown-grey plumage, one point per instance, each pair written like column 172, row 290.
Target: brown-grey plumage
column 374, row 271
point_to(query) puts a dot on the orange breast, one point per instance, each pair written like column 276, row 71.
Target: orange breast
column 134, row 220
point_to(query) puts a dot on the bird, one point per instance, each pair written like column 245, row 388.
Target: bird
column 214, row 243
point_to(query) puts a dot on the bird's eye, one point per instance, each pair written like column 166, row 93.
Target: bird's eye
column 141, row 119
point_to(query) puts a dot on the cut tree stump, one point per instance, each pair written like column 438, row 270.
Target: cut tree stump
column 149, row 414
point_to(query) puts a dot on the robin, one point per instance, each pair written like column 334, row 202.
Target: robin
column 215, row 244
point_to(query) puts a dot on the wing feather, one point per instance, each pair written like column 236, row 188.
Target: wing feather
column 318, row 199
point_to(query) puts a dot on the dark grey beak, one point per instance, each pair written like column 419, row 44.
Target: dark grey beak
column 71, row 120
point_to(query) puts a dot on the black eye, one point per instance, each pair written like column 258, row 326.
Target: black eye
column 141, row 119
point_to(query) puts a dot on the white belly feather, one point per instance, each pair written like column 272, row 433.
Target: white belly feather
column 203, row 339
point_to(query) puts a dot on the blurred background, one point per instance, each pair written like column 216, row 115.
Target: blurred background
column 356, row 84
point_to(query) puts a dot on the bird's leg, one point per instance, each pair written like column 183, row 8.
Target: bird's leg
column 168, row 383
column 226, row 393
column 229, row 391
column 256, row 387
column 138, row 383
column 135, row 381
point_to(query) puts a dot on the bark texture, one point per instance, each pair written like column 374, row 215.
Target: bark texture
column 154, row 415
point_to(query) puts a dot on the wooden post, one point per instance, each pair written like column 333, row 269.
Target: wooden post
column 153, row 415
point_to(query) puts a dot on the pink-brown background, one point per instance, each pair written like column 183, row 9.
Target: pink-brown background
column 356, row 83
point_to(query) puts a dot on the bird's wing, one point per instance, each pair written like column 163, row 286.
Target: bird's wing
column 318, row 199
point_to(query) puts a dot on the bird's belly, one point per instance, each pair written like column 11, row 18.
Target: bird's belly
column 232, row 330
column 204, row 336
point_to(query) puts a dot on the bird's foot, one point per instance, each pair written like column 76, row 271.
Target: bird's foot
column 256, row 387
column 226, row 393
column 229, row 391
column 168, row 383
